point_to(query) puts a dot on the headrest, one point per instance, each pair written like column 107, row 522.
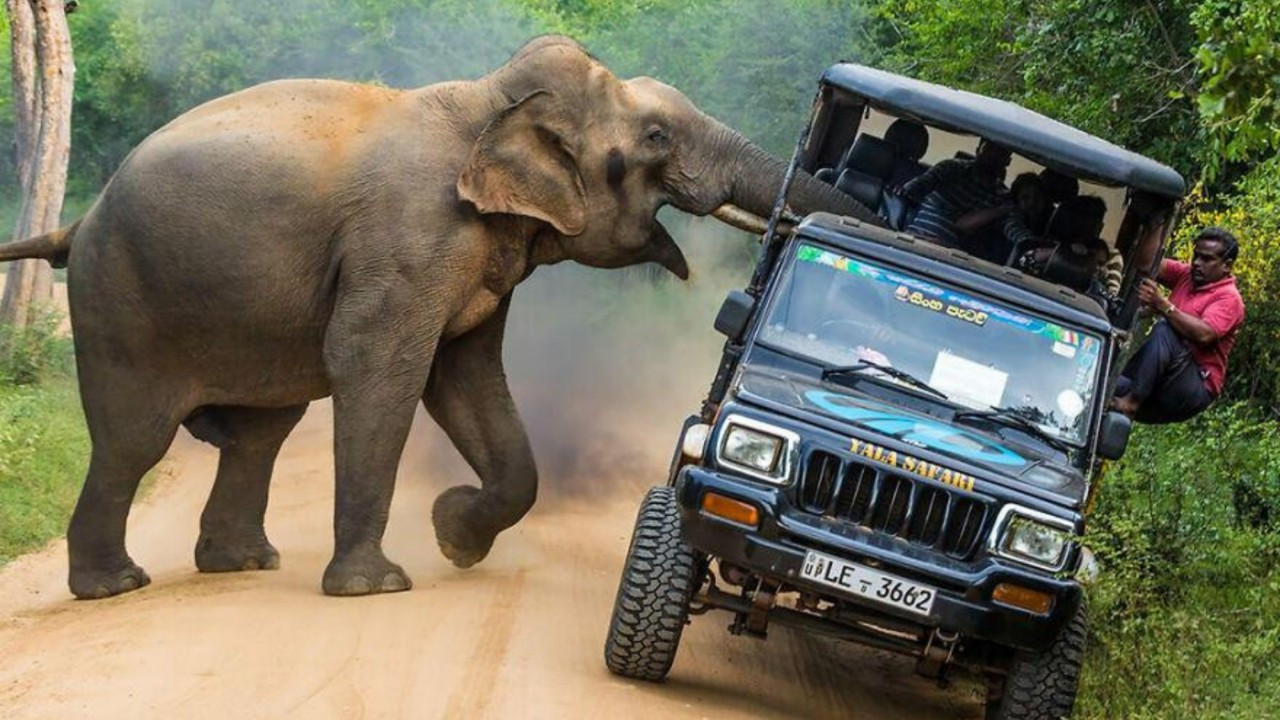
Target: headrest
column 1077, row 217
column 871, row 155
column 1058, row 187
column 911, row 138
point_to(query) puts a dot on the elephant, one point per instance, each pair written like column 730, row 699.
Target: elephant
column 312, row 238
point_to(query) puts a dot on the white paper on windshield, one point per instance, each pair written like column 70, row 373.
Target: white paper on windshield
column 967, row 382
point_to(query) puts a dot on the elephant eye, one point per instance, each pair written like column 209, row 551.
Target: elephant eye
column 656, row 136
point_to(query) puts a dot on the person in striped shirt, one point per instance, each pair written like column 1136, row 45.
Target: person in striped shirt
column 956, row 197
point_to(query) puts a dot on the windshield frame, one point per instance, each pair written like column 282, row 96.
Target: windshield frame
column 784, row 268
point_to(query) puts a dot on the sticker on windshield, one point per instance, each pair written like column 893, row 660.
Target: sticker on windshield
column 1063, row 349
column 1070, row 403
column 917, row 298
column 967, row 382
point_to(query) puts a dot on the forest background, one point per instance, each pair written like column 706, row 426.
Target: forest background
column 1186, row 614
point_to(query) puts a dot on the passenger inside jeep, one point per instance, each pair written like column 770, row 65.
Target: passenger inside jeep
column 956, row 198
column 1040, row 223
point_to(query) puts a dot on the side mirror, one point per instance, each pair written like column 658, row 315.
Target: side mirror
column 1114, row 436
column 732, row 319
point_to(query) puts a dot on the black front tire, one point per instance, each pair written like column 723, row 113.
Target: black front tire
column 1043, row 685
column 652, row 606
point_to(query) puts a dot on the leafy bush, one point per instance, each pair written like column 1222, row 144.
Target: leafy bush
column 1239, row 63
column 36, row 352
column 1186, row 612
column 44, row 452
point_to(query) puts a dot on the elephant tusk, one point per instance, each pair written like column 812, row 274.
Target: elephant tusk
column 731, row 214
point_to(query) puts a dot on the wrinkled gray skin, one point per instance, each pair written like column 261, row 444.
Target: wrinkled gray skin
column 308, row 238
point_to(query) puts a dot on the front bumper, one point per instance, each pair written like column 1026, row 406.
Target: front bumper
column 777, row 548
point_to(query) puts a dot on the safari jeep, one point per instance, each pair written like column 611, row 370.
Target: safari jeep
column 902, row 440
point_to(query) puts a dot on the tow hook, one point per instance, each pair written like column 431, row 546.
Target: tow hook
column 935, row 660
column 756, row 622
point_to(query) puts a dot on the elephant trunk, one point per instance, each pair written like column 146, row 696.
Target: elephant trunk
column 757, row 176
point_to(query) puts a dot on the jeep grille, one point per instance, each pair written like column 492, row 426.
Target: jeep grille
column 887, row 502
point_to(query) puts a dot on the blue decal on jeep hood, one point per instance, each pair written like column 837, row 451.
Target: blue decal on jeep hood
column 916, row 431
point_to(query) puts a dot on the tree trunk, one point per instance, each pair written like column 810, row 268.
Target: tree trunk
column 41, row 42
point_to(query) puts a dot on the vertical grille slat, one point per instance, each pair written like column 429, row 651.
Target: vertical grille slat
column 961, row 537
column 895, row 504
column 818, row 489
column 855, row 492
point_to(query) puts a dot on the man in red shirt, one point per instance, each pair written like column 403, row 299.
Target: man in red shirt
column 1180, row 369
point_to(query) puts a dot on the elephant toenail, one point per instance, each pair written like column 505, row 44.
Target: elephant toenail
column 358, row 586
column 394, row 582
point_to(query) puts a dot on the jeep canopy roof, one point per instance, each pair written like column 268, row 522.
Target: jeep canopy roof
column 1027, row 133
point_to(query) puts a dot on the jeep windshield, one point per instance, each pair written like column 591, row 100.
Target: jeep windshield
column 841, row 311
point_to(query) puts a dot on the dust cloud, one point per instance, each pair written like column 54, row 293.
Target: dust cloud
column 606, row 364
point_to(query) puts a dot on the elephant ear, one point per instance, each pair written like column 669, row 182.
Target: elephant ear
column 521, row 165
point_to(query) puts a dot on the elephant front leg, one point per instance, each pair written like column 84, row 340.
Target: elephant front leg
column 469, row 398
column 378, row 370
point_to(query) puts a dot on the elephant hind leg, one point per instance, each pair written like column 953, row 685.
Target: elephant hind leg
column 232, row 536
column 131, row 428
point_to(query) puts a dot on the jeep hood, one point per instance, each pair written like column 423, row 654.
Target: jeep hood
column 1011, row 464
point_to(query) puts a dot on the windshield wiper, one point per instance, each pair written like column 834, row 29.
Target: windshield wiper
column 1017, row 418
column 889, row 370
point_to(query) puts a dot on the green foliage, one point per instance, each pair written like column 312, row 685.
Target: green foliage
column 35, row 352
column 751, row 63
column 140, row 63
column 1239, row 65
column 1186, row 614
column 1117, row 69
column 44, row 452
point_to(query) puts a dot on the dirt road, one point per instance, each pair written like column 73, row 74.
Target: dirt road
column 519, row 636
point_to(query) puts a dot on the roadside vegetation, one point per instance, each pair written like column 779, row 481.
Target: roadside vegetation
column 44, row 445
column 1186, row 615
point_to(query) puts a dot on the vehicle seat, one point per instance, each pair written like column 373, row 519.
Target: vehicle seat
column 910, row 141
column 871, row 155
column 1058, row 188
column 827, row 175
column 1068, row 269
column 1069, row 220
column 865, row 188
column 867, row 167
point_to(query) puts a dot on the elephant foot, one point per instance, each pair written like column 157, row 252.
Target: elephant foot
column 222, row 555
column 462, row 540
column 98, row 584
column 364, row 572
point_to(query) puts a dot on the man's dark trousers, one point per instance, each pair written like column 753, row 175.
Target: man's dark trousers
column 1164, row 379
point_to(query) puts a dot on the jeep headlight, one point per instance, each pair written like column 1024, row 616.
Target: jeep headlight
column 756, row 448
column 1033, row 538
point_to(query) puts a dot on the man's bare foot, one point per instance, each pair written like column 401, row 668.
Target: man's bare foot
column 1125, row 404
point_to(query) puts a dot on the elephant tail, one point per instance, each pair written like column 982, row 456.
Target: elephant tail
column 52, row 246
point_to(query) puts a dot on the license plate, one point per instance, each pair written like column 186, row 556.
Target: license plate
column 863, row 581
